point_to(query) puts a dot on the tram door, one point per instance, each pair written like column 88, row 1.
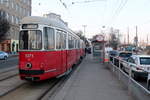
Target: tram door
column 63, row 52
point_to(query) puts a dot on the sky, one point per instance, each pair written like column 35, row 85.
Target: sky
column 120, row 14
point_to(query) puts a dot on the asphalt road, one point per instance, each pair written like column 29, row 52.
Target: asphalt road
column 10, row 62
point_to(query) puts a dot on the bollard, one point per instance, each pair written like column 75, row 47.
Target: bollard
column 148, row 81
column 119, row 68
column 130, row 76
column 113, row 64
column 130, row 72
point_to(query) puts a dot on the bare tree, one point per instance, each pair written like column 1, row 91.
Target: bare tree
column 114, row 39
column 4, row 26
column 80, row 34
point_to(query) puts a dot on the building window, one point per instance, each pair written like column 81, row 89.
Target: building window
column 7, row 2
column 28, row 13
column 12, row 4
column 17, row 8
column 28, row 2
column 16, row 20
column 7, row 16
column 12, row 19
column 2, row 13
column 24, row 12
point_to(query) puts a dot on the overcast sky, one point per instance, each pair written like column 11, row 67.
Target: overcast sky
column 119, row 14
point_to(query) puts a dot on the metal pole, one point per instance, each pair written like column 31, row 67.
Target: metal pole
column 130, row 76
column 119, row 68
column 128, row 35
column 136, row 38
column 147, row 39
column 113, row 63
column 148, row 81
column 84, row 26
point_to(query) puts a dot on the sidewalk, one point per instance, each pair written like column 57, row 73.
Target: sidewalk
column 92, row 81
column 13, row 55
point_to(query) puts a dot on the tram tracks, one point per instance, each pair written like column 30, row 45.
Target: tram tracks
column 8, row 74
column 37, row 90
column 9, row 80
column 30, row 91
column 8, row 69
column 10, row 84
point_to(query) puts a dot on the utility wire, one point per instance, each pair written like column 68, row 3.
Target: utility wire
column 118, row 10
column 64, row 4
column 87, row 1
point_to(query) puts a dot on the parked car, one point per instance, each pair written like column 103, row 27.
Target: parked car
column 122, row 56
column 3, row 55
column 112, row 54
column 140, row 65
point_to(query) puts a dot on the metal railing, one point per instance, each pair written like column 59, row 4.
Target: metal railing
column 116, row 65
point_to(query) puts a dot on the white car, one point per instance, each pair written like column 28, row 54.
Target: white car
column 3, row 55
column 140, row 65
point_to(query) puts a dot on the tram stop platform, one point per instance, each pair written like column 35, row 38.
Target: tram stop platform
column 92, row 81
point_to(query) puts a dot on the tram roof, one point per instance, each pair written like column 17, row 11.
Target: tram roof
column 55, row 22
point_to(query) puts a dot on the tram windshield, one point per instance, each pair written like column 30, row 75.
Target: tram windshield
column 30, row 40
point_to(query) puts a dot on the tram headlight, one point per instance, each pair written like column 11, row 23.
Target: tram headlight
column 42, row 66
column 29, row 65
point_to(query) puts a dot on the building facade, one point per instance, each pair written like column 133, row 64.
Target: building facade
column 13, row 11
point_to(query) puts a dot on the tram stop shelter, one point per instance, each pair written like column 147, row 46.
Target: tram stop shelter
column 98, row 50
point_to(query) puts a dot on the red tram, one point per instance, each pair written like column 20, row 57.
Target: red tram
column 47, row 48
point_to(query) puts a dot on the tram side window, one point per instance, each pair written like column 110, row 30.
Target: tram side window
column 69, row 42
column 58, row 40
column 49, row 39
column 78, row 44
column 63, row 41
column 74, row 42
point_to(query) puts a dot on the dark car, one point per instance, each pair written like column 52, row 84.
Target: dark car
column 112, row 54
column 123, row 55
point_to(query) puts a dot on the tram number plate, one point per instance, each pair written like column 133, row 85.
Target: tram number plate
column 31, row 78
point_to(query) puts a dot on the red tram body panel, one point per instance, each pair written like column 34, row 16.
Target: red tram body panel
column 40, row 59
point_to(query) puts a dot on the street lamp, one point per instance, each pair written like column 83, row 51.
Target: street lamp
column 84, row 26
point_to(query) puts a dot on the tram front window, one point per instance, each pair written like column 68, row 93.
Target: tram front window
column 30, row 40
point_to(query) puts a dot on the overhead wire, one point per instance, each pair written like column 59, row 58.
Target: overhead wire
column 87, row 1
column 118, row 10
